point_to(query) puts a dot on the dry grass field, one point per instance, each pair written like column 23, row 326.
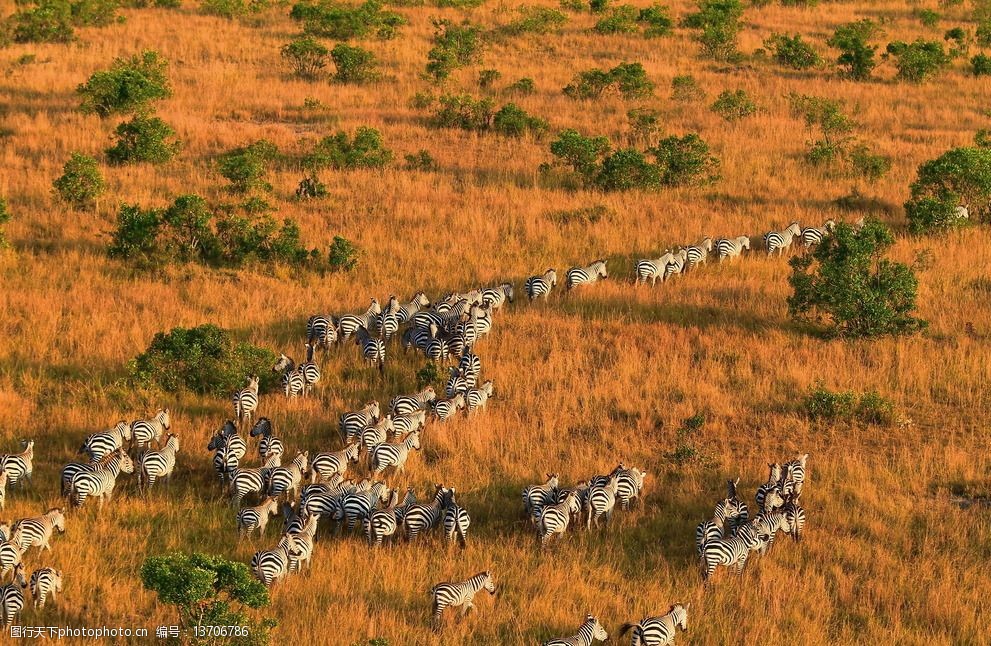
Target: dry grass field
column 582, row 381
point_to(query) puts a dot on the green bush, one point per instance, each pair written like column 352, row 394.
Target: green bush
column 354, row 64
column 589, row 84
column 421, row 160
column 246, row 167
column 961, row 176
column 792, row 51
column 95, row 13
column 136, row 235
column 129, row 86
column 656, row 21
column 733, row 106
column 645, row 125
column 868, row 407
column 834, row 126
column 598, row 6
column 513, row 121
column 428, row 375
column 231, row 9
column 630, row 79
column 311, row 188
column 856, row 59
column 4, row 219
column 306, row 57
column 983, row 33
column 982, row 138
column 536, row 20
column 580, row 153
column 867, row 164
column 685, row 161
column 849, row 287
column 47, row 21
column 621, row 20
column 960, row 42
column 341, row 152
column 487, row 78
column 523, row 86
column 628, row 169
column 919, row 60
column 143, row 139
column 465, row 112
column 718, row 24
column 454, row 46
column 331, row 19
column 927, row 17
column 685, row 89
column 981, row 64
column 81, row 182
column 343, row 255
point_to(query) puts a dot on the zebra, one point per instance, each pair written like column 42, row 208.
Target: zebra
column 101, row 444
column 228, row 437
column 771, row 485
column 382, row 523
column 729, row 551
column 794, row 475
column 676, row 266
column 580, row 490
column 251, row 481
column 772, row 501
column 100, row 483
column 406, row 312
column 537, row 286
column 497, row 296
column 158, row 464
column 795, row 515
column 19, row 466
column 246, row 401
column 456, row 521
column 478, row 397
column 713, row 530
column 535, row 497
column 270, row 566
column 630, row 486
column 293, row 383
column 45, row 581
column 731, row 247
column 70, row 470
column 737, row 516
column 350, row 323
column 697, row 253
column 321, row 331
column 781, row 240
column 445, row 317
column 588, row 632
column 394, row 455
column 652, row 269
column 586, row 275
column 371, row 348
column 385, row 322
column 470, row 366
column 10, row 557
column 327, row 465
column 456, row 384
column 402, row 404
column 377, row 433
column 301, row 544
column 658, row 631
column 770, row 523
column 409, row 422
column 286, row 480
column 226, row 460
column 352, row 423
column 269, row 445
column 461, row 594
column 419, row 337
column 420, row 517
column 251, row 518
column 554, row 519
column 405, row 505
column 143, row 431
column 306, row 373
column 37, row 531
column 445, row 409
column 600, row 501
column 811, row 236
column 357, row 505
column 12, row 597
column 322, row 503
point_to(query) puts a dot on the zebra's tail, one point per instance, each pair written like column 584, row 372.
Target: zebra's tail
column 625, row 628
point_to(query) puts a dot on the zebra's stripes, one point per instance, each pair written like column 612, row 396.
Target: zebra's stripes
column 600, row 501
column 478, row 397
column 456, row 383
column 630, row 485
column 588, row 632
column 696, row 254
column 554, row 519
column 251, row 518
column 19, row 466
column 652, row 268
column 37, row 531
column 394, row 455
column 357, row 505
column 536, row 497
column 781, row 240
column 586, row 275
column 285, row 481
column 497, row 296
column 70, row 470
column 794, row 475
column 352, row 423
column 246, row 401
column 99, row 483
column 811, row 236
column 658, row 631
column 456, row 521
column 445, row 409
column 771, row 485
column 729, row 552
column 45, row 581
column 418, row 302
column 372, row 349
column 158, row 464
column 381, row 524
column 421, row 517
column 99, row 445
column 349, row 324
column 537, row 286
column 12, row 598
column 731, row 247
column 402, row 404
column 321, row 331
column 145, row 431
column 270, row 566
column 301, row 544
column 10, row 557
column 460, row 595
column 795, row 515
column 327, row 465
column 676, row 265
column 769, row 524
column 409, row 422
column 269, row 445
column 251, row 481
column 378, row 433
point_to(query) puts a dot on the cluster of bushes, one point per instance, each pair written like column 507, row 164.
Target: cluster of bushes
column 677, row 161
column 832, row 406
column 918, row 60
column 685, row 89
column 734, row 105
column 143, row 138
column 958, row 177
column 535, row 20
column 468, row 113
column 342, row 152
column 231, row 9
column 54, row 21
column 792, row 51
column 246, row 167
column 629, row 79
column 835, row 145
column 718, row 25
column 307, row 58
column 331, row 19
column 81, row 182
column 655, row 21
column 455, row 46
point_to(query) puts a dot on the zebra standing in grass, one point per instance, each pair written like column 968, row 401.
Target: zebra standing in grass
column 99, row 445
column 676, row 266
column 537, row 286
column 731, row 247
column 588, row 632
column 386, row 322
column 100, row 483
column 409, row 422
column 456, row 384
column 795, row 515
column 321, row 331
column 10, row 557
column 402, row 404
column 418, row 302
column 729, row 552
column 37, row 531
column 358, row 505
column 349, row 324
column 286, row 480
column 372, row 349
column 554, row 519
column 769, row 524
column 652, row 269
column 294, row 381
column 158, row 464
column 270, row 566
column 352, row 423
column 811, row 236
column 713, row 530
column 229, row 453
column 461, row 594
column 301, row 544
column 12, row 598
column 382, row 523
column 630, row 485
column 45, row 581
column 269, row 445
column 586, row 275
column 310, row 371
column 478, row 397
column 70, row 470
column 246, row 401
column 394, row 455
column 498, row 296
column 144, row 431
column 420, row 517
column 456, row 521
column 600, row 501
column 794, row 475
column 781, row 240
column 378, row 433
column 658, row 631
column 470, row 366
column 696, row 254
column 251, row 481
column 447, row 408
column 19, row 466
column 536, row 497
column 771, row 485
column 251, row 518
column 327, row 465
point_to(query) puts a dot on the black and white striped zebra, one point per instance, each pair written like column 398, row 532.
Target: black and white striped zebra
column 773, row 480
column 731, row 247
column 285, row 481
column 387, row 455
column 99, row 483
column 70, row 470
column 377, row 433
column 421, row 517
column 99, row 445
column 737, row 516
column 586, row 275
column 402, row 404
column 12, row 598
column 478, row 397
column 445, row 317
column 349, row 324
column 658, row 631
column 321, row 331
column 600, row 501
column 537, row 286
column 781, row 240
column 676, row 265
column 460, row 595
column 327, row 465
column 714, row 529
column 357, row 505
column 536, row 497
column 146, row 431
column 588, row 632
column 387, row 323
column 45, row 581
column 251, row 518
column 445, row 409
column 327, row 504
column 310, row 370
column 470, row 366
column 159, row 463
column 381, row 524
column 630, row 486
column 769, row 524
column 418, row 302
column 811, row 236
column 698, row 253
column 38, row 530
column 19, row 466
column 228, row 437
column 456, row 521
column 270, row 566
column 497, row 296
column 409, row 422
column 352, row 423
column 246, row 401
column 652, row 268
column 251, row 481
column 10, row 557
column 456, row 383
column 372, row 349
column 793, row 476
column 795, row 514
column 729, row 552
column 554, row 519
column 269, row 445
column 301, row 544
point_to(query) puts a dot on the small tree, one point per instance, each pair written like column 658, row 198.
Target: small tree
column 645, row 125
column 464, row 111
column 656, row 21
column 523, row 87
column 245, row 168
column 513, row 121
column 354, row 64
column 581, row 153
column 339, row 151
column 306, row 56
column 959, row 177
column 981, row 64
column 454, row 46
column 627, row 169
column 143, row 139
column 856, row 59
column 685, row 89
column 536, row 20
column 718, row 24
column 4, row 219
column 685, row 161
column 919, row 60
column 792, row 51
column 344, row 22
column 868, row 164
column 847, row 285
column 621, row 20
column 630, row 79
column 130, row 85
column 733, row 106
column 47, row 21
column 136, row 235
column 487, row 78
column 81, row 182
column 343, row 255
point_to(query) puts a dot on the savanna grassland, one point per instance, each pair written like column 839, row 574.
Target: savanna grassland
column 892, row 552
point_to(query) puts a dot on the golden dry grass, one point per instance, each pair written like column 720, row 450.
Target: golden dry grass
column 581, row 382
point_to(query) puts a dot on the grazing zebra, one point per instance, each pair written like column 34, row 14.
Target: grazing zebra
column 586, row 275
column 402, row 404
column 456, row 383
column 158, row 464
column 10, row 557
column 382, row 523
column 350, row 323
column 470, row 366
column 420, row 517
column 327, row 465
column 478, row 397
column 769, row 524
column 100, row 483
column 536, row 497
column 394, row 455
column 588, row 632
column 321, row 332
column 731, row 248
column 301, row 544
column 358, row 505
column 781, row 240
column 409, row 422
column 37, row 531
column 658, row 631
column 554, row 519
column 226, row 460
column 45, row 581
column 456, row 521
column 497, row 296
column 251, row 518
column 537, row 286
column 697, row 253
column 270, row 566
column 676, row 266
column 377, row 433
column 371, row 348
column 811, row 236
column 713, row 530
column 445, row 409
column 286, row 480
column 771, row 485
column 12, row 597
column 729, row 552
column 99, row 445
column 418, row 302
column 795, row 515
column 352, row 423
column 460, row 594
column 71, row 469
column 600, row 501
column 269, row 445
column 794, row 475
column 246, row 401
column 652, row 269
column 251, row 481
column 19, row 466
column 144, row 431
column 630, row 486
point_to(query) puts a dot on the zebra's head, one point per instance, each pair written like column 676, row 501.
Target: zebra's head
column 421, row 299
column 489, row 583
column 262, row 427
column 829, row 225
column 57, row 516
column 731, row 488
column 282, row 364
column 601, row 268
column 795, row 228
column 253, row 382
column 173, row 440
column 217, row 442
column 301, row 460
column 802, row 459
column 679, row 614
column 773, row 500
column 126, row 463
column 374, row 307
column 598, row 632
column 487, row 388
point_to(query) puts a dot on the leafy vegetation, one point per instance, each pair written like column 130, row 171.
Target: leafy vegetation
column 919, row 60
column 343, row 255
column 513, row 121
column 53, row 21
column 536, row 20
column 231, row 9
column 961, row 176
column 832, row 406
column 629, row 79
column 685, row 89
column 143, row 139
column 129, row 86
column 338, row 151
column 792, row 51
column 340, row 21
column 856, row 59
column 455, row 46
column 246, row 167
column 981, row 65
column 4, row 219
column 733, row 106
column 354, row 64
column 306, row 57
column 81, row 182
column 523, row 86
column 718, row 25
